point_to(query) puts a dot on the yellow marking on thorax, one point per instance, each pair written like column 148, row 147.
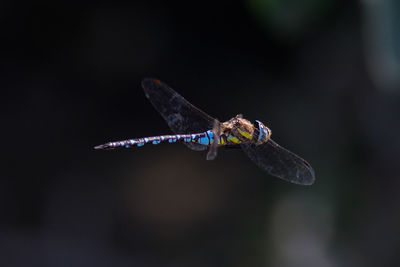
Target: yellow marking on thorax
column 221, row 141
column 233, row 139
column 245, row 134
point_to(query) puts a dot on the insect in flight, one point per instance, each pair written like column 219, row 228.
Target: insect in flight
column 199, row 131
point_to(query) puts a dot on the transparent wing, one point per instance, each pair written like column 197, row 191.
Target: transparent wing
column 213, row 151
column 181, row 116
column 280, row 162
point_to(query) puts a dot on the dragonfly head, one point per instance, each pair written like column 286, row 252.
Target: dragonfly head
column 264, row 133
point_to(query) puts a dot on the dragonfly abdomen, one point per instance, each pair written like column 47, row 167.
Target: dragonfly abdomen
column 205, row 138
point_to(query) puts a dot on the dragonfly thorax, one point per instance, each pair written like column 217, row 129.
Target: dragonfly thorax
column 239, row 130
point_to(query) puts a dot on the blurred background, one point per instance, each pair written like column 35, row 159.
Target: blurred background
column 324, row 75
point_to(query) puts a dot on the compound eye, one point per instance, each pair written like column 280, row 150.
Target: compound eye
column 260, row 131
column 267, row 131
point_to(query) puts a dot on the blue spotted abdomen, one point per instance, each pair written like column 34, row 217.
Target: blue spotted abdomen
column 205, row 138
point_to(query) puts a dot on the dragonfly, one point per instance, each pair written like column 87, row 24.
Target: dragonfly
column 199, row 131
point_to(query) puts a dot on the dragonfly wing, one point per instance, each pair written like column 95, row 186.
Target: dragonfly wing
column 213, row 151
column 280, row 162
column 181, row 116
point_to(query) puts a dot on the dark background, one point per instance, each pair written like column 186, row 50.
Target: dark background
column 322, row 74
